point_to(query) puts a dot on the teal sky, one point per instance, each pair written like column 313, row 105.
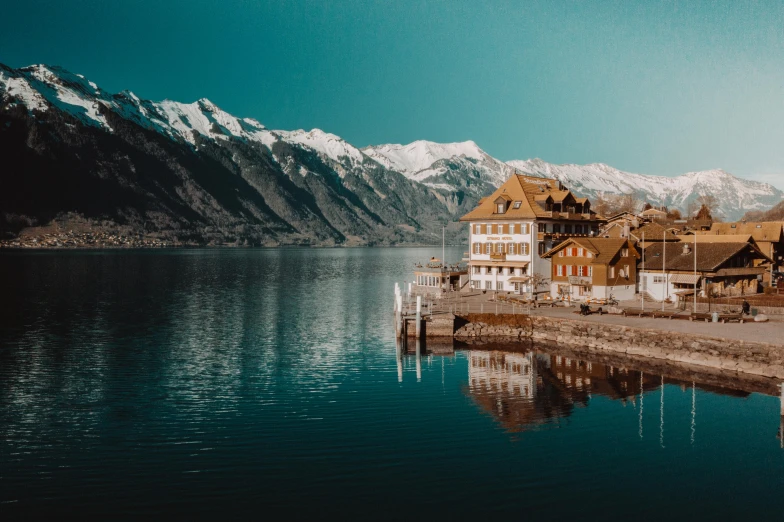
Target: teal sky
column 651, row 87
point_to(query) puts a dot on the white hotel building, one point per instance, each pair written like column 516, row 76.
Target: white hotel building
column 510, row 230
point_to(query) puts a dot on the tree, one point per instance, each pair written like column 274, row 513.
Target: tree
column 674, row 214
column 704, row 212
column 708, row 203
column 618, row 203
column 600, row 205
column 647, row 206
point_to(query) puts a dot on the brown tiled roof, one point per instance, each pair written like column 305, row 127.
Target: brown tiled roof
column 760, row 231
column 707, row 238
column 526, row 189
column 653, row 232
column 710, row 256
column 604, row 249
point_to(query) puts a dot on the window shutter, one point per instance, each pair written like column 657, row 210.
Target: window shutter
column 484, row 229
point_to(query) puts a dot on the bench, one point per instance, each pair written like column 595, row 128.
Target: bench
column 723, row 318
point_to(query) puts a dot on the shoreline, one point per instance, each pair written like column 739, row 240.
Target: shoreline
column 751, row 357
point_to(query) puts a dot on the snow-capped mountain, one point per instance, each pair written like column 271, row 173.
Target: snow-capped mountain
column 735, row 195
column 449, row 166
column 194, row 171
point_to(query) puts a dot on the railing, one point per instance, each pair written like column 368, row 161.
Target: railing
column 498, row 256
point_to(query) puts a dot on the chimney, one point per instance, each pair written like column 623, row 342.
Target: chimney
column 686, row 249
column 626, row 229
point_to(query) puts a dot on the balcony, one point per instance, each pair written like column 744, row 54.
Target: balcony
column 563, row 235
column 498, row 256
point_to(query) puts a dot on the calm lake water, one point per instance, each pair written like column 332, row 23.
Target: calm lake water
column 265, row 383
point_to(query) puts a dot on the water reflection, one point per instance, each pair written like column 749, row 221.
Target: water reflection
column 541, row 387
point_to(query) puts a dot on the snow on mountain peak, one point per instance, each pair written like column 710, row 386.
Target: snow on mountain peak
column 330, row 145
column 735, row 195
column 421, row 154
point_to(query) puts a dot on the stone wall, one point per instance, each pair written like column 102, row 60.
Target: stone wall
column 741, row 356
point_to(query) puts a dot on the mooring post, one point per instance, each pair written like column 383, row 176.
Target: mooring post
column 419, row 360
column 399, row 358
column 418, row 319
column 782, row 397
column 399, row 316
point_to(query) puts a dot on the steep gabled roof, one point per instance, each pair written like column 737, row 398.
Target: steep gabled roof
column 529, row 190
column 603, row 249
column 710, row 256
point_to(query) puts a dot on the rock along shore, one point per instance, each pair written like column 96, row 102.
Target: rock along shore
column 751, row 357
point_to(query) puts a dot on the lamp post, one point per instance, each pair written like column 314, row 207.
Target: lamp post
column 644, row 277
column 664, row 268
column 695, row 273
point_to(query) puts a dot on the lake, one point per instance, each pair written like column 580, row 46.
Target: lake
column 204, row 384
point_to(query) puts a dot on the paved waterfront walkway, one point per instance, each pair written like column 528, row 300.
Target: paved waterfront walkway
column 771, row 332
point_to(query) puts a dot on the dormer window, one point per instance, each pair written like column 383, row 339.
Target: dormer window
column 501, row 204
column 517, row 204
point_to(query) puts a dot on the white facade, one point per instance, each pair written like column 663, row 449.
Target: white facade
column 500, row 261
column 657, row 285
column 498, row 371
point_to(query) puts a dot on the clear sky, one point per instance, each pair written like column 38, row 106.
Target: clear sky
column 651, row 87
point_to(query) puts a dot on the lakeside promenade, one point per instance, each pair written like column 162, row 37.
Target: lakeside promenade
column 771, row 332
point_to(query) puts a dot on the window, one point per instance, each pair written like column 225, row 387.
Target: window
column 626, row 272
column 562, row 252
column 560, row 270
column 524, row 228
column 500, row 208
column 568, row 229
column 499, row 285
column 488, row 246
column 477, row 270
column 542, row 227
column 624, row 252
column 578, row 229
column 556, row 228
column 489, row 270
column 590, row 271
column 477, row 248
column 510, row 248
column 542, row 248
column 488, row 285
column 525, row 249
column 611, row 272
column 517, row 204
column 658, row 280
column 581, row 252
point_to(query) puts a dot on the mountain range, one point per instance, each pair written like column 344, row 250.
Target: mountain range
column 194, row 174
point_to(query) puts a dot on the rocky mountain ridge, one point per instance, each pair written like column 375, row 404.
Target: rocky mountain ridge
column 195, row 174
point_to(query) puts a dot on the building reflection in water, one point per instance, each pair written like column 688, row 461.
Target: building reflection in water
column 527, row 390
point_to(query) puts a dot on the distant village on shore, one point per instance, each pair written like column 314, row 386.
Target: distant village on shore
column 533, row 237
